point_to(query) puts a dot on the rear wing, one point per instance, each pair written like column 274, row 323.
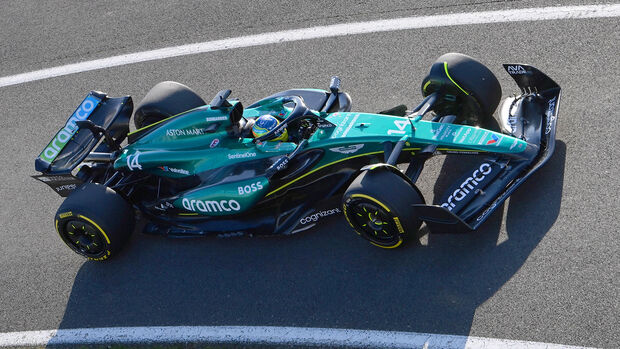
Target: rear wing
column 71, row 144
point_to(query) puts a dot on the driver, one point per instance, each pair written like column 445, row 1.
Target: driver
column 266, row 123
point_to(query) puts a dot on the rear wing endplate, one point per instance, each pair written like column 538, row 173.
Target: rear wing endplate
column 71, row 145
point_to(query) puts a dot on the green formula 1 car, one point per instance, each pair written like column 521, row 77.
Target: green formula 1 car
column 193, row 168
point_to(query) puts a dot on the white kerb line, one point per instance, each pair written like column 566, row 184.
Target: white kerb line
column 246, row 335
column 453, row 19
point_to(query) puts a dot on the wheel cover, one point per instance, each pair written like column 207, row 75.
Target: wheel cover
column 373, row 223
column 83, row 238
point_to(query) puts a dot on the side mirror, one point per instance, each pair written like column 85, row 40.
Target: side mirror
column 219, row 100
column 334, row 84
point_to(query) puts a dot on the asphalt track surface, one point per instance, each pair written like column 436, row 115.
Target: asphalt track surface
column 544, row 268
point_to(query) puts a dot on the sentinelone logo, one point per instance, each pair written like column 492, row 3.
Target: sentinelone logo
column 247, row 154
column 315, row 217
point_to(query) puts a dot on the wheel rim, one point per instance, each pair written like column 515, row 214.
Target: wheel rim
column 84, row 238
column 373, row 223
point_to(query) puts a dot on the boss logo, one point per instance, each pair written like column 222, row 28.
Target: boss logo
column 250, row 188
column 282, row 165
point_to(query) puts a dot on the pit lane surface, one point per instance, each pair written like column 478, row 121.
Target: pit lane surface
column 542, row 269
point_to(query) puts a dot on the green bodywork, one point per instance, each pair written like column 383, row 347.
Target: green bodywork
column 191, row 143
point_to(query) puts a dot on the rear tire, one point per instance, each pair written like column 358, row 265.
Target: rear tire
column 166, row 99
column 377, row 205
column 95, row 221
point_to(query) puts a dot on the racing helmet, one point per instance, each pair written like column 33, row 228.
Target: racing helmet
column 266, row 123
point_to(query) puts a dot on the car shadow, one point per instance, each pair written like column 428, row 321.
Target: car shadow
column 323, row 278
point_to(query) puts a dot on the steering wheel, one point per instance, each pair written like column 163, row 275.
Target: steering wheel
column 300, row 111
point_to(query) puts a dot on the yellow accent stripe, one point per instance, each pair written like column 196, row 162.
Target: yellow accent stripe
column 96, row 225
column 160, row 121
column 319, row 168
column 331, row 163
column 188, row 214
column 469, row 150
column 153, row 124
column 371, row 199
column 445, row 67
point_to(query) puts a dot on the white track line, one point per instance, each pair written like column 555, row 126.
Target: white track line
column 503, row 16
column 302, row 336
column 290, row 335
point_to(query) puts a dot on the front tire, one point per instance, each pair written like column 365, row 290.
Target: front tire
column 95, row 221
column 377, row 205
column 469, row 89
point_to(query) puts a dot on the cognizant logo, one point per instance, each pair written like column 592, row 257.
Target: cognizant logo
column 315, row 217
column 468, row 185
column 211, row 206
column 65, row 134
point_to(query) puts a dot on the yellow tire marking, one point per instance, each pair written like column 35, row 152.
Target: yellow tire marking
column 393, row 246
column 344, row 207
column 400, row 227
column 445, row 67
column 426, row 85
column 371, row 199
column 396, row 220
column 96, row 225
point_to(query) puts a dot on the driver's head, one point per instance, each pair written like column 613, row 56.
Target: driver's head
column 266, row 123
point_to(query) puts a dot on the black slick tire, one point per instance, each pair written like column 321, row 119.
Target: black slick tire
column 377, row 205
column 95, row 222
column 471, row 91
column 166, row 99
